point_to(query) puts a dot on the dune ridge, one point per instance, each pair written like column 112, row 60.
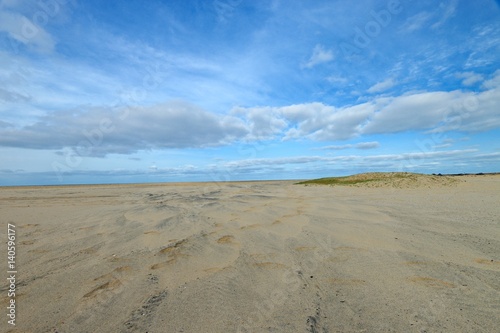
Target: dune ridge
column 387, row 179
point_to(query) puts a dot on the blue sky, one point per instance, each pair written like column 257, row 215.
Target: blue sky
column 180, row 90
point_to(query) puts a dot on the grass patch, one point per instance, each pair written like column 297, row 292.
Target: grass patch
column 336, row 181
column 364, row 178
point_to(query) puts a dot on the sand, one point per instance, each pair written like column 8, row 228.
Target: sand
column 255, row 257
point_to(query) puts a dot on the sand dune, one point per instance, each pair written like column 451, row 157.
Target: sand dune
column 256, row 257
column 388, row 180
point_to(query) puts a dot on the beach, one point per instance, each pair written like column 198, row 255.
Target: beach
column 261, row 256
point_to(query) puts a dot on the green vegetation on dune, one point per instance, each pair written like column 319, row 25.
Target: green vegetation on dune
column 335, row 181
column 380, row 178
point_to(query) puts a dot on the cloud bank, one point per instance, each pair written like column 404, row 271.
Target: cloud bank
column 98, row 131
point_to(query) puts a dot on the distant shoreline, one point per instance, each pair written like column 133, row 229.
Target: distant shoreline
column 186, row 183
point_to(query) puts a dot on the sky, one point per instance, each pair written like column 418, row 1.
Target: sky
column 200, row 90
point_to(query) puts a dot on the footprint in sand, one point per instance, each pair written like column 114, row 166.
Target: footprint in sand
column 227, row 239
column 305, row 248
column 110, row 285
column 141, row 317
column 430, row 282
column 172, row 247
column 163, row 264
column 415, row 263
column 487, row 261
column 151, row 232
column 173, row 252
column 87, row 228
column 251, row 226
column 109, row 282
column 29, row 225
column 270, row 265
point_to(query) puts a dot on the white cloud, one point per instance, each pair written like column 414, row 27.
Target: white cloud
column 447, row 11
column 401, row 161
column 345, row 123
column 337, row 147
column 180, row 124
column 416, row 22
column 321, row 122
column 441, row 146
column 22, row 29
column 367, row 145
column 275, row 161
column 472, row 113
column 100, row 131
column 469, row 78
column 336, row 79
column 382, row 86
column 12, row 96
column 412, row 112
column 320, row 55
column 433, row 111
column 494, row 82
column 443, row 13
column 418, row 156
column 263, row 123
column 360, row 145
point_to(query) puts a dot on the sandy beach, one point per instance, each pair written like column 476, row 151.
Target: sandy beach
column 255, row 257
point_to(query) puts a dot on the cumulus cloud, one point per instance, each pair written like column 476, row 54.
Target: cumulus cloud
column 322, row 122
column 320, row 55
column 431, row 111
column 99, row 131
column 263, row 123
column 315, row 121
column 473, row 113
column 412, row 112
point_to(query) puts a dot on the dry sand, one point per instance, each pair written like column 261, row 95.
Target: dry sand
column 255, row 257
